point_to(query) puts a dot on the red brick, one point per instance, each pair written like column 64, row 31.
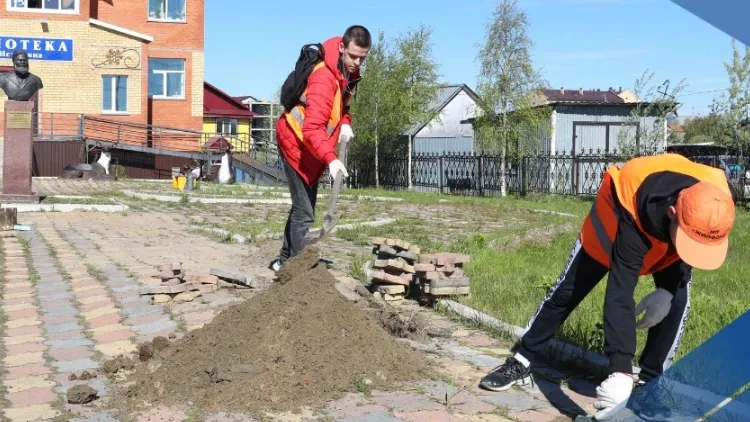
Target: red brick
column 59, row 319
column 23, row 313
column 86, row 307
column 73, row 353
column 17, row 349
column 31, row 397
column 22, row 331
column 27, row 370
column 103, row 320
column 113, row 336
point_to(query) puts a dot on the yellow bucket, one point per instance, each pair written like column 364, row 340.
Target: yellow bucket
column 178, row 182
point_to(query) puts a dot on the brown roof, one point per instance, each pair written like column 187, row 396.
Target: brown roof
column 563, row 95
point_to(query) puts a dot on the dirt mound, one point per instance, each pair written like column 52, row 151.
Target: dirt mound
column 299, row 343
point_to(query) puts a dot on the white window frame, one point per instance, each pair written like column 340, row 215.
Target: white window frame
column 75, row 11
column 114, row 94
column 226, row 123
column 164, row 12
column 163, row 74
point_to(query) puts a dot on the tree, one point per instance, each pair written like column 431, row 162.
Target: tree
column 710, row 128
column 732, row 105
column 655, row 104
column 506, row 86
column 415, row 74
column 373, row 113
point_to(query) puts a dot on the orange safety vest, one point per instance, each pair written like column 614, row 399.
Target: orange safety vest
column 600, row 226
column 296, row 116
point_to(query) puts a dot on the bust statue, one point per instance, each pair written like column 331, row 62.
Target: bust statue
column 20, row 84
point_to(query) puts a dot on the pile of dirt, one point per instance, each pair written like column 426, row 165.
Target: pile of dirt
column 299, row 343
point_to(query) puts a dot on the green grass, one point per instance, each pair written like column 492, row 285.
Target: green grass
column 513, row 267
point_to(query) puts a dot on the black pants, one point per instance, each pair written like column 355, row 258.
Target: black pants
column 580, row 275
column 301, row 216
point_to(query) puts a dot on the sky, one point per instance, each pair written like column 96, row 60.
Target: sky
column 251, row 45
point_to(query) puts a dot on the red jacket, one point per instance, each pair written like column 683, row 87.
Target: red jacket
column 321, row 88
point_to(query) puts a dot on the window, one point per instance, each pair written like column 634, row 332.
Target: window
column 49, row 6
column 166, row 78
column 114, row 94
column 167, row 10
column 226, row 126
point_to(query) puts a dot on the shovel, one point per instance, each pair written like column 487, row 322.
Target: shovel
column 328, row 221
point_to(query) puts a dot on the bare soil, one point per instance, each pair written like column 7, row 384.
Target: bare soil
column 299, row 343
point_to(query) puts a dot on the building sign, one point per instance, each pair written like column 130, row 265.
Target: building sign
column 51, row 49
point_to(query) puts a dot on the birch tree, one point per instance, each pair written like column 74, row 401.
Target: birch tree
column 506, row 84
column 416, row 74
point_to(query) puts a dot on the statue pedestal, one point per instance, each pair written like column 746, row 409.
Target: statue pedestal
column 18, row 153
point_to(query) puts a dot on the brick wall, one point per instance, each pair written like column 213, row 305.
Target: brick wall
column 74, row 87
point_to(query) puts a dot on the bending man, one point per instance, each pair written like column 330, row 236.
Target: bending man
column 659, row 215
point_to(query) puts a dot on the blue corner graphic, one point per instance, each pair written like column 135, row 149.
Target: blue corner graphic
column 702, row 383
column 728, row 16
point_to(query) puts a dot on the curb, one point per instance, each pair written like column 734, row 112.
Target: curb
column 65, row 207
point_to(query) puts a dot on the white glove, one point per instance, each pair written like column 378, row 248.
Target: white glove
column 612, row 395
column 346, row 133
column 656, row 304
column 337, row 166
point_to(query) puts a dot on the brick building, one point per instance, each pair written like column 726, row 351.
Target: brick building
column 139, row 61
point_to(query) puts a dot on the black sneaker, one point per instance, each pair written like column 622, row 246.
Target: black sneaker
column 649, row 402
column 510, row 373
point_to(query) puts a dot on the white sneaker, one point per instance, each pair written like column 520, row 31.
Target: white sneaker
column 275, row 265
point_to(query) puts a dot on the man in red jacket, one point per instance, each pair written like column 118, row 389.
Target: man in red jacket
column 308, row 134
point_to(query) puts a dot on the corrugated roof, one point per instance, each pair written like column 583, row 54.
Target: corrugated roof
column 444, row 95
column 557, row 96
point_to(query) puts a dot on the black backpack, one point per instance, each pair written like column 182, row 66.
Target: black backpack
column 296, row 82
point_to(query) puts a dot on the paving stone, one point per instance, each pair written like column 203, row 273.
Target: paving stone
column 23, row 313
column 19, row 307
column 69, row 343
column 407, row 402
column 103, row 303
column 50, row 278
column 62, row 303
column 32, row 396
column 24, row 331
column 99, row 291
column 115, row 348
column 99, row 312
column 97, row 418
column 26, row 371
column 372, row 417
column 61, row 310
column 134, row 299
column 23, row 359
column 515, row 401
column 434, row 416
column 143, row 310
column 113, row 336
column 147, row 319
column 77, row 365
column 47, row 287
column 484, row 360
column 127, row 288
column 60, row 328
column 53, row 297
column 31, row 413
column 73, row 353
column 103, row 320
column 353, row 405
column 93, row 299
column 532, row 416
column 162, row 325
column 59, row 319
column 28, row 382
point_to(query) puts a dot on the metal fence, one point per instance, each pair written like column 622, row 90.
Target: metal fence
column 563, row 173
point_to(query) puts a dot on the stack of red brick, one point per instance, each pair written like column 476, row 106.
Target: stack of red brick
column 393, row 269
column 442, row 274
column 178, row 286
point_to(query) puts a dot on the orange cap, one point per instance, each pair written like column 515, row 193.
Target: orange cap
column 705, row 216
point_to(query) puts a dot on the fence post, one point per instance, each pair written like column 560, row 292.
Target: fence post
column 119, row 131
column 481, row 175
column 80, row 126
column 442, row 173
column 52, row 126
